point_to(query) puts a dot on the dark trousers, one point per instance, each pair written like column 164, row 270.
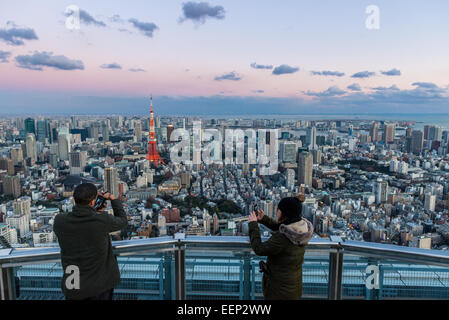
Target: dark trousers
column 107, row 295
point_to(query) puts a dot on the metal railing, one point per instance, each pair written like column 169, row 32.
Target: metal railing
column 179, row 256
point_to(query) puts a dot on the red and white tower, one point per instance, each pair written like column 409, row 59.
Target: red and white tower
column 153, row 155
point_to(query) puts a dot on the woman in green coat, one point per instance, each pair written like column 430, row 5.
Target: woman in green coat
column 282, row 278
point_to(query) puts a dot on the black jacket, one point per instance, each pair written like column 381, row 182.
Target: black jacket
column 285, row 256
column 83, row 236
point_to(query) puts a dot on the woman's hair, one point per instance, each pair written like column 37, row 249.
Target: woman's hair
column 291, row 208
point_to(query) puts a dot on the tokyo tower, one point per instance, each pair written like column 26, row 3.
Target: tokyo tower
column 153, row 155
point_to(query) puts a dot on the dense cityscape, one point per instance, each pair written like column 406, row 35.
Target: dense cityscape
column 364, row 180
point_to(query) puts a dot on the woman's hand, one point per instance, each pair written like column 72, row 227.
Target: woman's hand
column 252, row 217
column 260, row 214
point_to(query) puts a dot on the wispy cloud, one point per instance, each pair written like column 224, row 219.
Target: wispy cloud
column 113, row 65
column 328, row 73
column 38, row 60
column 285, row 69
column 354, row 87
column 330, row 92
column 147, row 28
column 4, row 55
column 15, row 36
column 261, row 66
column 363, row 74
column 392, row 72
column 137, row 70
column 86, row 18
column 198, row 12
column 228, row 76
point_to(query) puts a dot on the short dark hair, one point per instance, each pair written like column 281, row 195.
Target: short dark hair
column 291, row 208
column 85, row 193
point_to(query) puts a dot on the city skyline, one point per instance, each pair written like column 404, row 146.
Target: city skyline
column 223, row 58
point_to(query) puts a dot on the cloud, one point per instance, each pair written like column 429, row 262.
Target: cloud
column 354, row 87
column 147, row 28
column 4, row 55
column 116, row 18
column 328, row 73
column 86, row 18
column 425, row 85
column 330, row 92
column 258, row 91
column 46, row 59
column 198, row 12
column 14, row 36
column 137, row 70
column 363, row 74
column 228, row 76
column 392, row 72
column 393, row 87
column 284, row 69
column 113, row 65
column 260, row 66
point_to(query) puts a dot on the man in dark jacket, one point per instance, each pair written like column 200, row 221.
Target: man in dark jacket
column 282, row 278
column 90, row 267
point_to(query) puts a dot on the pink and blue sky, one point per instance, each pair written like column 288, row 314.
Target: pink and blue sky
column 224, row 57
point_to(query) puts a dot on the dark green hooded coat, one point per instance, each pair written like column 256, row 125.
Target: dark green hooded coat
column 285, row 255
column 83, row 236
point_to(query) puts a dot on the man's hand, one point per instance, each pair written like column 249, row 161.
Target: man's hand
column 252, row 217
column 108, row 196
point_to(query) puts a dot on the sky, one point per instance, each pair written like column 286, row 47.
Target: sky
column 224, row 57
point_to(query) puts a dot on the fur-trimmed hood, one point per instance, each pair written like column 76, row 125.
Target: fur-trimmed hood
column 298, row 233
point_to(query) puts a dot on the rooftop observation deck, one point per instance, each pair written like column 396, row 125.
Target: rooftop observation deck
column 197, row 267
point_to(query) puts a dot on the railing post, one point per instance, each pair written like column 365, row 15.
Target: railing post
column 180, row 272
column 7, row 284
column 335, row 274
column 246, row 277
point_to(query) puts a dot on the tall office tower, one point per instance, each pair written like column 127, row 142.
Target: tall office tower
column 30, row 126
column 138, row 130
column 417, row 142
column 389, row 132
column 93, row 131
column 64, row 146
column 311, row 138
column 20, row 222
column 429, row 202
column 31, row 147
column 8, row 165
column 105, row 132
column 290, row 178
column 53, row 160
column 111, row 180
column 435, row 133
column 73, row 122
column 11, row 186
column 426, row 131
column 170, row 129
column 153, row 155
column 77, row 161
column 22, row 206
column 43, row 130
column 305, row 168
column 374, row 132
column 408, row 132
column 287, row 152
column 316, row 156
column 381, row 191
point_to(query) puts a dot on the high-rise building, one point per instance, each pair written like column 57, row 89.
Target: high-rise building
column 31, row 147
column 16, row 155
column 287, row 152
column 11, row 186
column 111, row 181
column 64, row 146
column 8, row 165
column 311, row 138
column 434, row 133
column 381, row 191
column 290, row 178
column 105, row 132
column 93, row 131
column 417, row 142
column 374, row 132
column 77, row 162
column 170, row 129
column 389, row 132
column 305, row 168
column 30, row 125
column 138, row 130
column 429, row 202
column 316, row 153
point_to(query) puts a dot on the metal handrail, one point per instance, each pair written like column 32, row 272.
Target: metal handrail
column 369, row 249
